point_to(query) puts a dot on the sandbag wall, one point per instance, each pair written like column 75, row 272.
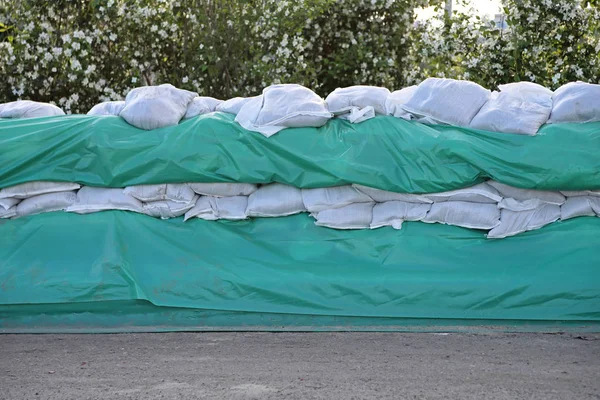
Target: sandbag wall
column 498, row 209
column 518, row 108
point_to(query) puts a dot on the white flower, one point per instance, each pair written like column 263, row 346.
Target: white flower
column 185, row 79
column 556, row 78
column 133, row 80
column 66, row 38
column 113, row 37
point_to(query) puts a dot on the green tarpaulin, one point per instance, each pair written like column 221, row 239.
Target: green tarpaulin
column 121, row 271
column 384, row 152
column 290, row 266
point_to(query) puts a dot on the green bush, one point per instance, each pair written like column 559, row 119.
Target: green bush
column 79, row 52
column 547, row 42
column 76, row 53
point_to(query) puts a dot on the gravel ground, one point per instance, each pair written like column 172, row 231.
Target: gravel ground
column 300, row 366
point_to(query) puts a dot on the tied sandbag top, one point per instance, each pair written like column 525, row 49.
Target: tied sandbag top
column 384, row 152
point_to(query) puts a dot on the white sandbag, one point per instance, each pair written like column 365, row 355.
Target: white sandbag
column 213, row 208
column 575, row 193
column 576, row 102
column 152, row 107
column 319, row 199
column 513, row 113
column 232, row 208
column 46, row 203
column 201, row 105
column 205, row 208
column 462, row 213
column 447, row 100
column 480, row 193
column 520, row 205
column 165, row 209
column 357, row 115
column 357, row 103
column 275, row 200
column 283, row 106
column 223, row 189
column 28, row 109
column 580, row 206
column 175, row 192
column 107, row 108
column 8, row 203
column 353, row 216
column 397, row 99
column 527, row 194
column 529, row 91
column 515, row 222
column 393, row 213
column 93, row 199
column 381, row 196
column 9, row 213
column 233, row 106
column 29, row 189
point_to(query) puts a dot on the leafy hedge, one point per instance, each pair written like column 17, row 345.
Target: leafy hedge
column 79, row 52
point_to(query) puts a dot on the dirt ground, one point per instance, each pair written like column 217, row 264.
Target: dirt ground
column 300, row 366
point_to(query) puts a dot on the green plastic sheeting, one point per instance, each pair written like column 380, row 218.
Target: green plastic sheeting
column 384, row 152
column 289, row 266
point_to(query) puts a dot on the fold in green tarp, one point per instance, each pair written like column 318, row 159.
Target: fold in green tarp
column 290, row 266
column 384, row 152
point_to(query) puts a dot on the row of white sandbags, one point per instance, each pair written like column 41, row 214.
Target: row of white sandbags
column 520, row 107
column 500, row 209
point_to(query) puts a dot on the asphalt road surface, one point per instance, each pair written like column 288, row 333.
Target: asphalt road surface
column 300, row 366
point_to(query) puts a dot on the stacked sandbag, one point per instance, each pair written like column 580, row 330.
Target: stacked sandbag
column 396, row 100
column 490, row 206
column 201, row 105
column 223, row 189
column 36, row 197
column 447, row 101
column 576, row 102
column 320, row 199
column 95, row 199
column 29, row 109
column 474, row 207
column 525, row 210
column 283, row 106
column 212, row 208
column 357, row 103
column 275, row 200
column 353, row 216
column 581, row 203
column 520, row 108
column 107, row 108
column 393, row 213
column 152, row 107
column 164, row 201
column 233, row 106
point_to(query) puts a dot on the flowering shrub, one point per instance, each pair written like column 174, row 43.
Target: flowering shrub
column 79, row 52
column 76, row 53
column 549, row 42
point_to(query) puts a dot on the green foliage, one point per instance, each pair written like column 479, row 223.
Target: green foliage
column 77, row 53
column 548, row 42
